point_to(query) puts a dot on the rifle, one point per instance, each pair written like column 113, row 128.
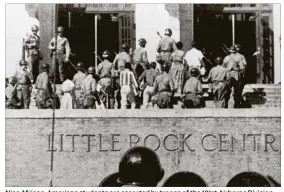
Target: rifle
column 225, row 49
column 159, row 34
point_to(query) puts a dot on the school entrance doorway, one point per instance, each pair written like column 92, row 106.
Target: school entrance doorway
column 93, row 33
column 216, row 30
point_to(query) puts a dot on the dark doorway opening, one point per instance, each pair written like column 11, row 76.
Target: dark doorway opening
column 213, row 30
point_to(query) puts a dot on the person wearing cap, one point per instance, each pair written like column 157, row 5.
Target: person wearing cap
column 194, row 58
column 140, row 166
column 122, row 58
column 164, row 87
column 166, row 46
column 44, row 88
column 140, row 57
column 32, row 42
column 217, row 79
column 104, row 69
column 12, row 102
column 62, row 53
column 24, row 86
column 177, row 71
column 68, row 100
column 192, row 91
column 234, row 65
column 78, row 80
column 89, row 88
column 128, row 86
column 148, row 77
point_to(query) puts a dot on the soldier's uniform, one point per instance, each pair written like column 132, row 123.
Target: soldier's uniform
column 89, row 88
column 12, row 102
column 78, row 81
column 24, row 86
column 63, row 53
column 104, row 71
column 140, row 57
column 218, row 77
column 193, row 91
column 44, row 88
column 32, row 42
column 166, row 46
column 122, row 58
column 234, row 66
column 164, row 86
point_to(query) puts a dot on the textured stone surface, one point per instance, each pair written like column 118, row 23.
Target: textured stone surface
column 28, row 158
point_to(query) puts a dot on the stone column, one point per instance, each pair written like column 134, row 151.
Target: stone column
column 47, row 29
column 186, row 25
column 277, row 47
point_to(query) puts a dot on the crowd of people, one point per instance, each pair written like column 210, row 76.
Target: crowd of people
column 141, row 167
column 176, row 75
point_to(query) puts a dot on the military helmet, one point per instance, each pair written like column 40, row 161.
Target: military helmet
column 232, row 49
column 218, row 60
column 23, row 62
column 125, row 46
column 141, row 166
column 80, row 65
column 106, row 54
column 165, row 67
column 13, row 80
column 194, row 72
column 168, row 32
column 237, row 47
column 60, row 29
column 34, row 28
column 91, row 70
column 142, row 41
column 45, row 66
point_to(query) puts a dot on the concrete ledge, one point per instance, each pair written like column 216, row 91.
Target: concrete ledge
column 169, row 113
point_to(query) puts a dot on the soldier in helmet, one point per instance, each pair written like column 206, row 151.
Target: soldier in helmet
column 12, row 102
column 44, row 88
column 166, row 46
column 104, row 69
column 140, row 166
column 140, row 57
column 24, row 86
column 234, row 65
column 32, row 42
column 244, row 62
column 122, row 58
column 89, row 88
column 164, row 87
column 78, row 80
column 192, row 91
column 218, row 77
column 62, row 52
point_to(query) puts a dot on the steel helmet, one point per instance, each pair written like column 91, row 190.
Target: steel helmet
column 140, row 166
column 237, row 47
column 142, row 41
column 218, row 60
column 165, row 67
column 13, row 80
column 60, row 29
column 80, row 65
column 168, row 32
column 194, row 72
column 184, row 179
column 125, row 46
column 34, row 28
column 23, row 62
column 91, row 70
column 106, row 54
column 232, row 49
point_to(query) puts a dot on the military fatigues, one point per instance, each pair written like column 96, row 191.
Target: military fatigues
column 221, row 91
column 24, row 89
column 104, row 71
column 140, row 58
column 32, row 45
column 234, row 65
column 63, row 51
column 164, row 86
column 78, row 81
column 44, row 91
column 12, row 102
column 193, row 93
column 165, row 47
column 89, row 88
column 120, row 60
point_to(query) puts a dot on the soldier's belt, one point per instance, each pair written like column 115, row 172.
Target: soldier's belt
column 166, row 51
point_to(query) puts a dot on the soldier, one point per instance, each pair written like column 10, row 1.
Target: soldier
column 12, row 102
column 185, row 179
column 62, row 53
column 149, row 77
column 78, row 80
column 140, row 166
column 164, row 87
column 121, row 58
column 32, row 42
column 24, row 86
column 166, row 46
column 128, row 86
column 217, row 78
column 234, row 65
column 104, row 70
column 140, row 57
column 192, row 91
column 194, row 59
column 89, row 88
column 243, row 59
column 44, row 88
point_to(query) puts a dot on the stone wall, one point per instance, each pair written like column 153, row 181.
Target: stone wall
column 215, row 144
